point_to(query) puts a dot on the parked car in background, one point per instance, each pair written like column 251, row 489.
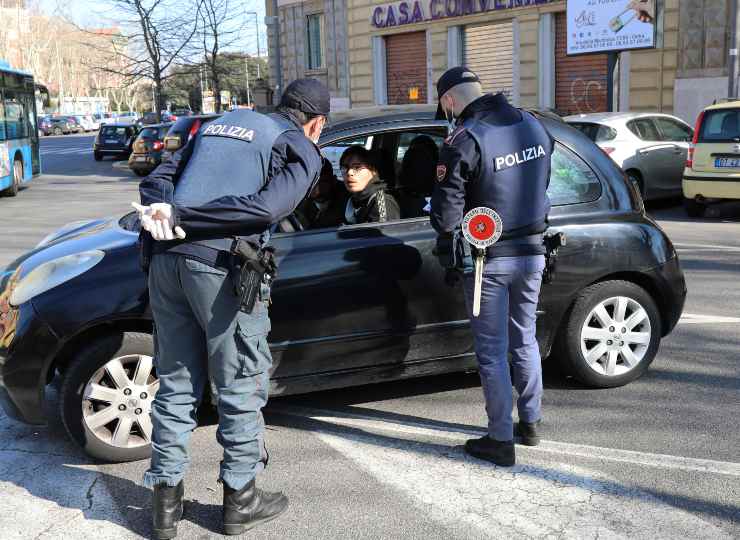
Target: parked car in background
column 650, row 148
column 713, row 167
column 86, row 122
column 80, row 297
column 75, row 124
column 147, row 149
column 114, row 140
column 58, row 125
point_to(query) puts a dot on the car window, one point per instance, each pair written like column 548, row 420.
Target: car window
column 149, row 133
column 673, row 131
column 334, row 151
column 405, row 139
column 644, row 129
column 595, row 132
column 721, row 125
column 112, row 131
column 571, row 180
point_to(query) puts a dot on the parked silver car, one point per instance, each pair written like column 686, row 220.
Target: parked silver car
column 650, row 148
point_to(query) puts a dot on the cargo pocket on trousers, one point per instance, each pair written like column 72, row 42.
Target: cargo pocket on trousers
column 251, row 345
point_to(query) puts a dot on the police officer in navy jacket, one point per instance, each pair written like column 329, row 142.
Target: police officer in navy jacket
column 239, row 175
column 497, row 157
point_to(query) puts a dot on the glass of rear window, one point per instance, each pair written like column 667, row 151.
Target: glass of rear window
column 149, row 133
column 720, row 126
column 111, row 131
column 596, row 132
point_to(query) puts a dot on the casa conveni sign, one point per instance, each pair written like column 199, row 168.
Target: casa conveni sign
column 402, row 13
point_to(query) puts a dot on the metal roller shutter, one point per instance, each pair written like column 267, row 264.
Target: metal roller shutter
column 406, row 68
column 580, row 81
column 489, row 52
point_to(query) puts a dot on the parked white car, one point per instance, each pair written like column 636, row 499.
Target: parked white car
column 87, row 122
column 651, row 148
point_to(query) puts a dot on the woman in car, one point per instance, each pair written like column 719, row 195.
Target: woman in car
column 369, row 200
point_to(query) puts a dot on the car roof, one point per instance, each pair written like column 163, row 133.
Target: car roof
column 615, row 117
column 162, row 124
column 730, row 104
column 117, row 125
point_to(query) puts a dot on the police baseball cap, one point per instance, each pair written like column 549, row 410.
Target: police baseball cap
column 307, row 95
column 450, row 78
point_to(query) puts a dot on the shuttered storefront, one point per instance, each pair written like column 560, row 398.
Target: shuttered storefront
column 489, row 52
column 406, row 65
column 580, row 81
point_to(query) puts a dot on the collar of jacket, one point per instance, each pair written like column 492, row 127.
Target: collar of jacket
column 290, row 118
column 375, row 185
column 487, row 102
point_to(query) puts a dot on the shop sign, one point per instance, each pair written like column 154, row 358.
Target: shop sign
column 416, row 11
column 596, row 26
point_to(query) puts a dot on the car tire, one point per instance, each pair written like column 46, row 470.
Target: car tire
column 141, row 173
column 15, row 186
column 57, row 131
column 592, row 342
column 98, row 156
column 90, row 396
column 636, row 179
column 694, row 209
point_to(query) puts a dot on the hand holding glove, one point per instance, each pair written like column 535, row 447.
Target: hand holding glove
column 159, row 220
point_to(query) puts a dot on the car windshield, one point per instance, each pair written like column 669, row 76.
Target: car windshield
column 721, row 125
column 112, row 131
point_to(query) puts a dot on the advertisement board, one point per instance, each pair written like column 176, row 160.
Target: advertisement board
column 596, row 26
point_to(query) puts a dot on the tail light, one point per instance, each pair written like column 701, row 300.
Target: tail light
column 157, row 146
column 194, row 128
column 697, row 128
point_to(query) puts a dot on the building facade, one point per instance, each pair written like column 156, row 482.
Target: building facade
column 395, row 52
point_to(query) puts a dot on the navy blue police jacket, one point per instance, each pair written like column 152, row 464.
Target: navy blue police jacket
column 498, row 157
column 231, row 187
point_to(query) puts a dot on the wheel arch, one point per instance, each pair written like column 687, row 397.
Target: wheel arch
column 62, row 359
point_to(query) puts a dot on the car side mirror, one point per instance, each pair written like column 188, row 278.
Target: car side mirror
column 172, row 142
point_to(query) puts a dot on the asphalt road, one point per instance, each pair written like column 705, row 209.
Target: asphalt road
column 657, row 458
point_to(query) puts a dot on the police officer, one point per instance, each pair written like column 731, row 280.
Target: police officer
column 497, row 157
column 238, row 175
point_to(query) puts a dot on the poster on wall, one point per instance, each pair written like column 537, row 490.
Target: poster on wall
column 596, row 26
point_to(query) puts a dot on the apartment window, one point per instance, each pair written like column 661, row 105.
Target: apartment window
column 314, row 41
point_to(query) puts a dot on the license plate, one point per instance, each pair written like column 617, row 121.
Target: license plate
column 727, row 163
column 111, row 141
column 140, row 158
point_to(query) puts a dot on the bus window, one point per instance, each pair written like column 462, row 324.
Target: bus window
column 2, row 120
column 16, row 121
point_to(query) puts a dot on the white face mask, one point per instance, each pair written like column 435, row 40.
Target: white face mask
column 451, row 121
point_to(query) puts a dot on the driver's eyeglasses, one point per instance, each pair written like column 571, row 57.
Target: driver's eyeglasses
column 354, row 168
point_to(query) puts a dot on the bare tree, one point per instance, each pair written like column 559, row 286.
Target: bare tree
column 155, row 36
column 219, row 31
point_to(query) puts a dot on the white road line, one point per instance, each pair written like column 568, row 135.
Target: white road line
column 470, row 498
column 423, row 429
column 695, row 318
column 705, row 247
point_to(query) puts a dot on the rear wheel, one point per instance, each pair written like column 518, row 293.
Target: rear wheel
column 98, row 156
column 693, row 208
column 107, row 394
column 58, row 131
column 15, row 186
column 139, row 172
column 611, row 334
column 636, row 179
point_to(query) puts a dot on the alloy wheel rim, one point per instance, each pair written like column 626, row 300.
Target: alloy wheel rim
column 117, row 400
column 615, row 336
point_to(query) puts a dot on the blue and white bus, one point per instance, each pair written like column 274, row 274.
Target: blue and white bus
column 19, row 135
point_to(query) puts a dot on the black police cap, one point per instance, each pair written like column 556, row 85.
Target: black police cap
column 450, row 78
column 307, row 95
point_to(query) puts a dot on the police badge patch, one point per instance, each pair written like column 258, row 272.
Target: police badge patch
column 441, row 172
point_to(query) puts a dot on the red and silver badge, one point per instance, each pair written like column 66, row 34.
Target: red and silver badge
column 482, row 227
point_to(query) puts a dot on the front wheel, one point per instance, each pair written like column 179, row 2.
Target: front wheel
column 107, row 394
column 58, row 131
column 611, row 334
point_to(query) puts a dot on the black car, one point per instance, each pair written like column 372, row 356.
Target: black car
column 58, row 125
column 114, row 140
column 352, row 304
column 147, row 149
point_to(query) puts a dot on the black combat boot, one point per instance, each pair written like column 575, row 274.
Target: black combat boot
column 497, row 452
column 248, row 507
column 527, row 432
column 167, row 510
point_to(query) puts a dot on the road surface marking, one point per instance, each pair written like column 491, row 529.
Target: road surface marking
column 424, row 429
column 470, row 498
column 705, row 247
column 696, row 318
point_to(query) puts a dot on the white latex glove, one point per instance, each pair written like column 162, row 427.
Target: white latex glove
column 157, row 219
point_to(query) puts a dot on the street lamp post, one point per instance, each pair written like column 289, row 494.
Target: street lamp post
column 257, row 28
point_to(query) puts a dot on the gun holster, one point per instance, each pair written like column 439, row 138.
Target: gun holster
column 553, row 242
column 254, row 266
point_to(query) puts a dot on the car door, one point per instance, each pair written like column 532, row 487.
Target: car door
column 363, row 296
column 679, row 134
column 654, row 157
